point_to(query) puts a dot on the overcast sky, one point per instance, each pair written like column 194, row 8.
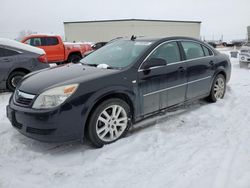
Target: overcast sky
column 219, row 17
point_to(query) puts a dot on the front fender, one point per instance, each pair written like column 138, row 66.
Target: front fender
column 100, row 94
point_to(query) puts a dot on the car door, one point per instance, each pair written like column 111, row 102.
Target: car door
column 53, row 49
column 7, row 57
column 159, row 84
column 176, row 77
column 200, row 68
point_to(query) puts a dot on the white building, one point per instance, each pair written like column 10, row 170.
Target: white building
column 105, row 30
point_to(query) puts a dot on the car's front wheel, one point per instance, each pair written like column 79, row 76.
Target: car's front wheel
column 14, row 78
column 218, row 88
column 109, row 122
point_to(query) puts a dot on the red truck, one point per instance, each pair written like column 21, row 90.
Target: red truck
column 56, row 50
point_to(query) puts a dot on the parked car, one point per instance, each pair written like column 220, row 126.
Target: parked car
column 244, row 56
column 17, row 60
column 118, row 85
column 58, row 51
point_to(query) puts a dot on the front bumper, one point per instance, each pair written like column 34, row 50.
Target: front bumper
column 244, row 58
column 58, row 125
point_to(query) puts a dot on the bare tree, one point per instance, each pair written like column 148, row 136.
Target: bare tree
column 24, row 33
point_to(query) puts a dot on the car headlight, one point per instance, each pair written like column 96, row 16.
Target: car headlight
column 54, row 97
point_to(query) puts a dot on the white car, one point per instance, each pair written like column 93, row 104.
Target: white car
column 244, row 56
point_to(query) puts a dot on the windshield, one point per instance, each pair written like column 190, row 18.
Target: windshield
column 118, row 54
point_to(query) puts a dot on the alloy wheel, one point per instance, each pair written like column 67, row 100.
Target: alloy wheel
column 219, row 88
column 111, row 123
column 15, row 80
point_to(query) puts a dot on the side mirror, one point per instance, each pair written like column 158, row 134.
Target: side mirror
column 153, row 62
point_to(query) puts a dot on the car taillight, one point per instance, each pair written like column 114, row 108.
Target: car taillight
column 42, row 59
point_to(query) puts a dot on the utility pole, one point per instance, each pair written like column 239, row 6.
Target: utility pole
column 248, row 34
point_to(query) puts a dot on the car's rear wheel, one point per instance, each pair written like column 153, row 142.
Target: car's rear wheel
column 218, row 88
column 74, row 58
column 109, row 122
column 14, row 79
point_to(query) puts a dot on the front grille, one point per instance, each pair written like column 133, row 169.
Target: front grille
column 245, row 51
column 39, row 131
column 23, row 99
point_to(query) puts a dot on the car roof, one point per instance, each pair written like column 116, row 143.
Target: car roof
column 156, row 39
column 20, row 46
column 41, row 35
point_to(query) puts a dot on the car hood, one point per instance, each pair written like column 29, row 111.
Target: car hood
column 62, row 75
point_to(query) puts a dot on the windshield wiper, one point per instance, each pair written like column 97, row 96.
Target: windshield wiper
column 92, row 65
column 95, row 65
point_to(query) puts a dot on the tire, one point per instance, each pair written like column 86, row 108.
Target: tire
column 74, row 58
column 218, row 88
column 60, row 63
column 14, row 79
column 105, row 126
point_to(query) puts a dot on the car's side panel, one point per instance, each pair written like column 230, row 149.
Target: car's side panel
column 90, row 100
column 150, row 83
column 199, row 74
column 5, row 65
column 177, row 84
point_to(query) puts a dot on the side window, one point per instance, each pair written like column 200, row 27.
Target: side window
column 168, row 51
column 192, row 50
column 207, row 51
column 7, row 52
column 34, row 42
column 49, row 41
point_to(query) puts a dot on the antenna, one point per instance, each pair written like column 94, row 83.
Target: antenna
column 133, row 37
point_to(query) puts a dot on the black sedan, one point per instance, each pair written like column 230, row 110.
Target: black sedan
column 17, row 60
column 116, row 86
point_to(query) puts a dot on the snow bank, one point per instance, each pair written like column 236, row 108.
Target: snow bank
column 22, row 46
column 199, row 145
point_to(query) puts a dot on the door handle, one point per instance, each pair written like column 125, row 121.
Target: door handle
column 6, row 60
column 181, row 69
column 211, row 63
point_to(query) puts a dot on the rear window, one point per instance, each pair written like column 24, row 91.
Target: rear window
column 49, row 41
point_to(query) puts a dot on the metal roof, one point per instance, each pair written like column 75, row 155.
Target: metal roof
column 126, row 20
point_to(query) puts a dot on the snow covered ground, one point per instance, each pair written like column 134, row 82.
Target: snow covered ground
column 200, row 145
